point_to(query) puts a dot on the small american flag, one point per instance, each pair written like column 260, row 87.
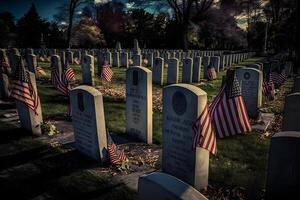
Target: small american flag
column 211, row 73
column 269, row 89
column 60, row 83
column 69, row 73
column 116, row 156
column 228, row 111
column 278, row 78
column 204, row 134
column 22, row 89
column 106, row 73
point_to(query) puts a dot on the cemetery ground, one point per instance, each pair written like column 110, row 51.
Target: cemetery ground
column 49, row 167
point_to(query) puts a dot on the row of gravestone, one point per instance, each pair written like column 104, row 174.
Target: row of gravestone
column 119, row 58
column 182, row 104
column 179, row 159
column 283, row 164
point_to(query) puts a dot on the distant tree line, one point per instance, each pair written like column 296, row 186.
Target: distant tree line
column 204, row 24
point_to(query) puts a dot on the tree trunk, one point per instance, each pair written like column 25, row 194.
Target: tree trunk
column 71, row 15
column 297, row 38
column 185, row 32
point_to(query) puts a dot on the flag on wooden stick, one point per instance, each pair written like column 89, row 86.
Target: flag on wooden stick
column 278, row 78
column 116, row 156
column 22, row 89
column 106, row 72
column 228, row 111
column 268, row 88
column 204, row 134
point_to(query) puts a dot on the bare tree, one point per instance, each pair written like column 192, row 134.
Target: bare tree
column 183, row 12
column 67, row 13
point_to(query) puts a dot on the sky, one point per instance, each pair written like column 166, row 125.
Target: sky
column 45, row 8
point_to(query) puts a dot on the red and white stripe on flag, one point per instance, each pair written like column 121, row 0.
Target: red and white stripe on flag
column 116, row 156
column 107, row 73
column 70, row 74
column 229, row 115
column 25, row 93
column 204, row 134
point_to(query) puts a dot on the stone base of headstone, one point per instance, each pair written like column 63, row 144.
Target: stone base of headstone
column 265, row 120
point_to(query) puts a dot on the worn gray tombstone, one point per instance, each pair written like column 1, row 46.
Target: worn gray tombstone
column 150, row 60
column 206, row 61
column 124, row 59
column 118, row 47
column 30, row 119
column 182, row 105
column 187, row 70
column 250, row 80
column 297, row 84
column 89, row 122
column 283, row 174
column 136, row 48
column 4, row 75
column 115, row 59
column 173, row 71
column 137, row 60
column 56, row 64
column 161, row 186
column 291, row 115
column 139, row 103
column 88, row 70
column 32, row 63
column 158, row 71
column 197, row 69
column 70, row 57
column 107, row 57
column 63, row 58
column 215, row 62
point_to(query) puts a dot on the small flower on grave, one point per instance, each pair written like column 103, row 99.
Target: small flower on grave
column 124, row 166
column 48, row 128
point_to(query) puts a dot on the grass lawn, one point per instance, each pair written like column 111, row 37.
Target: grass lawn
column 241, row 161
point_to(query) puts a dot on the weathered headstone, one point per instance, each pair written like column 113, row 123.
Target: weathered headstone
column 182, row 105
column 251, row 84
column 30, row 120
column 158, row 71
column 139, row 103
column 137, row 60
column 291, row 115
column 173, row 71
column 161, row 186
column 297, row 84
column 89, row 122
column 115, row 59
column 88, row 70
column 124, row 59
column 283, row 177
column 32, row 63
column 136, row 48
column 70, row 57
column 4, row 75
column 206, row 60
column 187, row 70
column 215, row 62
column 197, row 69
